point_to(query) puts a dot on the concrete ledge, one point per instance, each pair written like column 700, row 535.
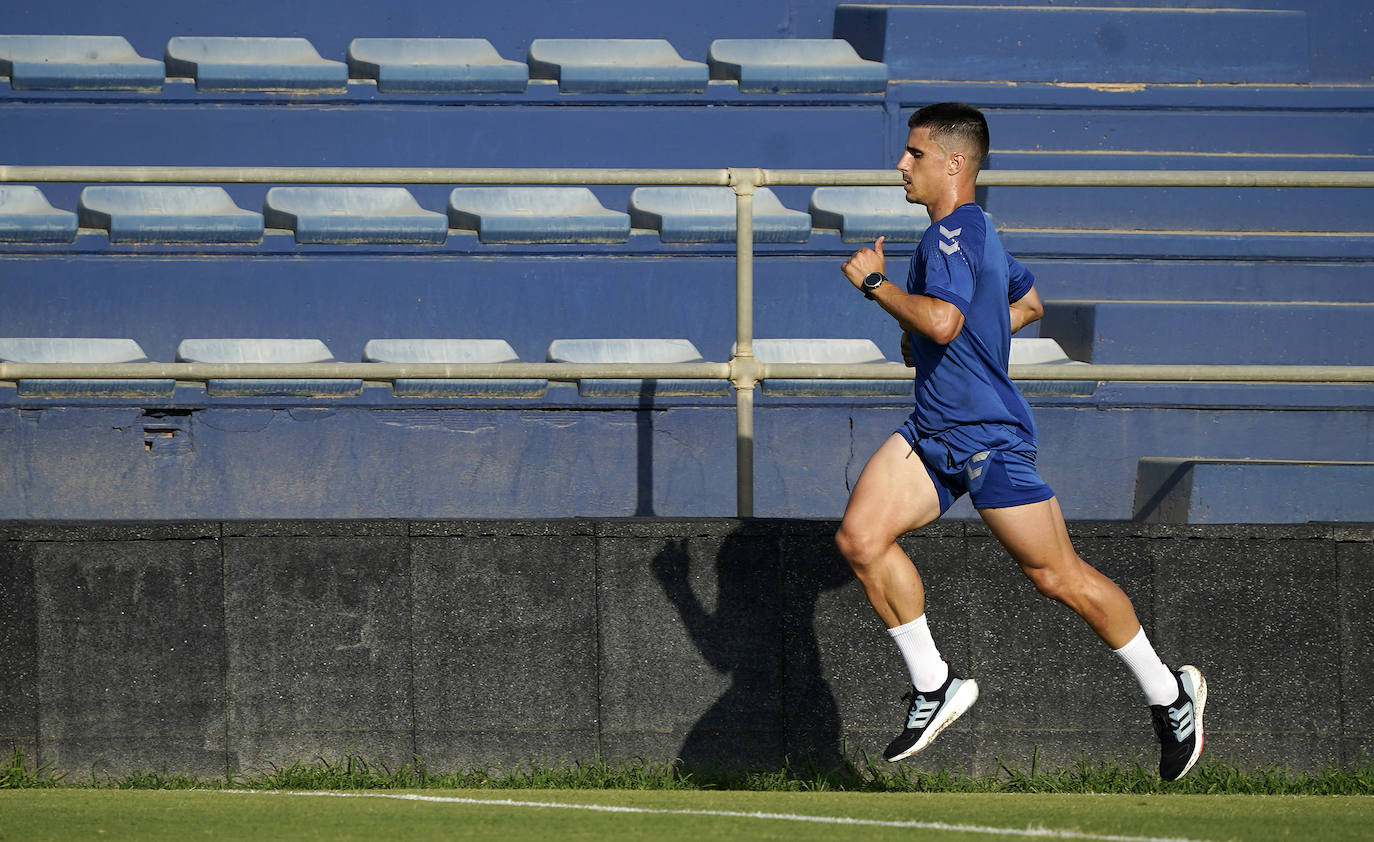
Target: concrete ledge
column 227, row 647
column 1246, row 490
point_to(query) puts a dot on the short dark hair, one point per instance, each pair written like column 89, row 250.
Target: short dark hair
column 958, row 121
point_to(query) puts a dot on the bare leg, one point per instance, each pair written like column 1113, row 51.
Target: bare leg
column 1037, row 539
column 893, row 496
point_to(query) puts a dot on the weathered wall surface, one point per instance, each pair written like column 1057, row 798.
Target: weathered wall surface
column 208, row 647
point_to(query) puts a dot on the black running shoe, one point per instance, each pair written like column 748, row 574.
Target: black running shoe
column 931, row 713
column 1179, row 725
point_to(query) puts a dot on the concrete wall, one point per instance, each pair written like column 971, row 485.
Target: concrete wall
column 208, row 647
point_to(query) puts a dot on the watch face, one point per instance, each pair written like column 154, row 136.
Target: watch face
column 873, row 281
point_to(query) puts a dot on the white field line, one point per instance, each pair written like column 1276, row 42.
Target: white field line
column 1028, row 832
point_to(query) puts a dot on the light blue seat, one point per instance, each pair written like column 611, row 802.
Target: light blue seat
column 827, row 352
column 254, row 64
column 353, row 215
column 76, row 63
column 707, row 215
column 615, row 65
column 435, row 65
column 452, row 351
column 863, row 214
column 635, row 351
column 82, row 350
column 168, row 214
column 267, row 351
column 1043, row 350
column 536, row 215
column 795, row 65
column 27, row 217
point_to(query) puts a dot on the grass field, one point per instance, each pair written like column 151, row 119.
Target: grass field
column 542, row 815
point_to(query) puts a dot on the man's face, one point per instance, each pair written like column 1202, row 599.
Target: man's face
column 923, row 167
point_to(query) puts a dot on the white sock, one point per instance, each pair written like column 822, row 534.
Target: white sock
column 928, row 670
column 1159, row 684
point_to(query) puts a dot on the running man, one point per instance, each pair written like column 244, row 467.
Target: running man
column 972, row 433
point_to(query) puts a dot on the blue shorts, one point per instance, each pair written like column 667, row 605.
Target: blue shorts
column 989, row 462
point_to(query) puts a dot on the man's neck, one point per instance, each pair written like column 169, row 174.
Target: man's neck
column 958, row 196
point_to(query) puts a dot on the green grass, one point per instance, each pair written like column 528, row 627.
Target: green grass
column 860, row 775
column 65, row 813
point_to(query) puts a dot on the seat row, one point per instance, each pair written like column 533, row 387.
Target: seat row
column 439, row 65
column 459, row 351
column 200, row 214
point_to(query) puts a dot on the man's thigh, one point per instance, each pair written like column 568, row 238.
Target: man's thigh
column 895, row 492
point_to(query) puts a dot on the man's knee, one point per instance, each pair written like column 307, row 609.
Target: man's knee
column 859, row 547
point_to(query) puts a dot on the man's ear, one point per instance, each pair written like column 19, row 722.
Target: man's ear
column 956, row 163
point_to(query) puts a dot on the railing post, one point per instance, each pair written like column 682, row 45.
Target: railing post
column 742, row 364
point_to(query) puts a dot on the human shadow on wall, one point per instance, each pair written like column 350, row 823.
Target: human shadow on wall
column 779, row 709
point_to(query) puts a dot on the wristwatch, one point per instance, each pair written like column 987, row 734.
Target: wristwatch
column 872, row 282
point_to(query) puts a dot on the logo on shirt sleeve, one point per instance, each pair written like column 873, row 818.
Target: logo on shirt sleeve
column 952, row 246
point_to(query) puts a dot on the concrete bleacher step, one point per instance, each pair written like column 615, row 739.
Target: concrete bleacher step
column 253, row 64
column 435, row 65
column 811, row 65
column 26, row 216
column 267, row 351
column 77, row 63
column 353, row 215
column 452, row 351
column 1212, row 332
column 707, row 215
column 167, row 214
column 1195, row 490
column 635, row 351
column 81, row 350
column 1079, row 44
column 536, row 215
column 615, row 65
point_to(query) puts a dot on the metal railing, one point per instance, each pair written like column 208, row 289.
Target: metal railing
column 743, row 371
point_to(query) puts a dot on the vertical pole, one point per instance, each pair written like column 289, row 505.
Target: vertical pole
column 743, row 182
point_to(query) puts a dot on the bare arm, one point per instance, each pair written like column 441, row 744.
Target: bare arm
column 933, row 318
column 1026, row 309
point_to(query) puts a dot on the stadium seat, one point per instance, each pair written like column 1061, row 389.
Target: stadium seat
column 707, row 215
column 77, row 63
column 615, row 65
column 1042, row 350
column 536, row 215
column 267, row 351
column 863, row 214
column 254, row 64
column 452, row 351
column 635, row 351
column 435, row 65
column 168, row 214
column 795, row 65
column 353, row 215
column 82, row 350
column 827, row 351
column 27, row 217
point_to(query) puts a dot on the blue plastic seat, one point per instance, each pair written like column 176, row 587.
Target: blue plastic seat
column 795, row 65
column 536, row 215
column 267, row 351
column 435, row 65
column 635, row 351
column 76, row 63
column 707, row 215
column 27, row 217
column 1043, row 350
column 353, row 215
column 168, row 214
column 863, row 214
column 452, row 351
column 822, row 352
column 82, row 350
column 615, row 65
column 254, row 64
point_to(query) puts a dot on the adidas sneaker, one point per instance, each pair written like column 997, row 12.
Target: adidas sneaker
column 1179, row 725
column 930, row 713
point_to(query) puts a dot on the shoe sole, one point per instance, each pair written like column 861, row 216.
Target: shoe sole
column 963, row 699
column 1199, row 702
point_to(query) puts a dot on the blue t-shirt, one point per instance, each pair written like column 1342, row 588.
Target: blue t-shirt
column 961, row 260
